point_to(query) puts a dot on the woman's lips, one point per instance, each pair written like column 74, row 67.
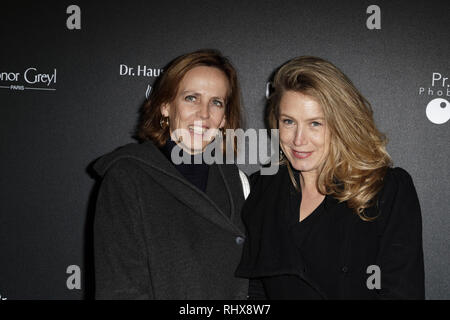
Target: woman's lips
column 198, row 130
column 301, row 155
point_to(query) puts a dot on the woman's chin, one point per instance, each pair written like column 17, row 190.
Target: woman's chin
column 300, row 165
column 196, row 147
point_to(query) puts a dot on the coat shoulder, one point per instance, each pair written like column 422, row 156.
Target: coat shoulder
column 264, row 180
column 398, row 200
column 397, row 181
column 102, row 164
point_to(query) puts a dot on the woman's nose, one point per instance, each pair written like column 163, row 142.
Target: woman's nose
column 204, row 111
column 300, row 137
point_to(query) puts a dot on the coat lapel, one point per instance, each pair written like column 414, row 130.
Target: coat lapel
column 209, row 204
column 216, row 190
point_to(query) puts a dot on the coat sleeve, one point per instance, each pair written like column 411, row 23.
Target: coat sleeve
column 121, row 268
column 401, row 254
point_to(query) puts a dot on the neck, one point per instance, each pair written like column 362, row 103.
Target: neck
column 195, row 158
column 308, row 182
column 179, row 142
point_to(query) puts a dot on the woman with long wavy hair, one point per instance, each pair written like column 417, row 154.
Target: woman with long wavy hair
column 337, row 221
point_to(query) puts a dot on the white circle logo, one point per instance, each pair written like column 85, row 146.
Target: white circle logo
column 438, row 111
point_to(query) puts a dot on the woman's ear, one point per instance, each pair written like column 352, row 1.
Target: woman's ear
column 165, row 109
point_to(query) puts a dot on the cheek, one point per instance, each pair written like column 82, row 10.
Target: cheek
column 318, row 139
column 321, row 142
column 181, row 113
column 286, row 136
column 217, row 116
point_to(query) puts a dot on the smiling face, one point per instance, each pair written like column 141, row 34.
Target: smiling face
column 304, row 136
column 198, row 110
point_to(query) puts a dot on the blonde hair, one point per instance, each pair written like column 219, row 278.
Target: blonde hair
column 357, row 160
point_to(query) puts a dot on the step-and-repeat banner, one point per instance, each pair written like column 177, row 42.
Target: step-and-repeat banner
column 73, row 75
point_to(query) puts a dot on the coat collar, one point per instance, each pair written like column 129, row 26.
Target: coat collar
column 329, row 202
column 152, row 160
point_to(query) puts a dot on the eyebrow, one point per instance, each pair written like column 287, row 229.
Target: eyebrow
column 191, row 92
column 309, row 119
column 199, row 94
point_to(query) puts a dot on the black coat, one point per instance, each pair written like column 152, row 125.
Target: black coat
column 156, row 236
column 393, row 241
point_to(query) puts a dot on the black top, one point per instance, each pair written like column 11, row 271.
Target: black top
column 194, row 172
column 315, row 248
column 328, row 254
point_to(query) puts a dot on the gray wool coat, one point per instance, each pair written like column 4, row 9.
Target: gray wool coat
column 156, row 236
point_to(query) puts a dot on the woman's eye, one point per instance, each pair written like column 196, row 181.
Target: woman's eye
column 218, row 103
column 287, row 121
column 190, row 98
column 315, row 124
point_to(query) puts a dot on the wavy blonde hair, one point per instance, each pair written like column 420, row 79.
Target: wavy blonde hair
column 357, row 160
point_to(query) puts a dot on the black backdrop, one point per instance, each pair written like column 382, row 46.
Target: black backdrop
column 50, row 137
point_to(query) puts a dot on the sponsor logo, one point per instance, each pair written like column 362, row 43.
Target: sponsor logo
column 438, row 108
column 31, row 78
column 140, row 71
column 148, row 91
column 438, row 111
